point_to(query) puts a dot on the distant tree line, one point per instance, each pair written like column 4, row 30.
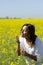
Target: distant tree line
column 9, row 17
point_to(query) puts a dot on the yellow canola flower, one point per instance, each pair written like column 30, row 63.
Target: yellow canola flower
column 33, row 60
column 42, row 39
column 42, row 63
column 3, row 61
column 19, row 58
column 39, row 32
column 12, row 51
column 4, row 50
column 33, row 64
column 27, row 63
column 12, row 63
column 3, row 42
column 15, row 46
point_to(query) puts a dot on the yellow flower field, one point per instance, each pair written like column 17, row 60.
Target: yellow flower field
column 9, row 28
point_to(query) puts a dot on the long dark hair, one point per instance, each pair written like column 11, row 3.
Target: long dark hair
column 31, row 32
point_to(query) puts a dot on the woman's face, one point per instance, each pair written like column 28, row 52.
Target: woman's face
column 24, row 31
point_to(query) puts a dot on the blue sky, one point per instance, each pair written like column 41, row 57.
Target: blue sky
column 21, row 8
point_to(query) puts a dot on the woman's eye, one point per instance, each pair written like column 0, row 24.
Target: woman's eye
column 22, row 31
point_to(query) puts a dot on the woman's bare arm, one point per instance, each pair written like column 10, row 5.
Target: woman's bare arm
column 18, row 47
column 31, row 56
column 18, row 50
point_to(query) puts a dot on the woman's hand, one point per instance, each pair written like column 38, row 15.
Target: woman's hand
column 23, row 53
column 17, row 39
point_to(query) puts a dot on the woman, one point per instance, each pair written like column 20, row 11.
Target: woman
column 29, row 45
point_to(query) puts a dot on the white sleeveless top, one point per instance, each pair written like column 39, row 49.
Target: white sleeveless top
column 35, row 50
